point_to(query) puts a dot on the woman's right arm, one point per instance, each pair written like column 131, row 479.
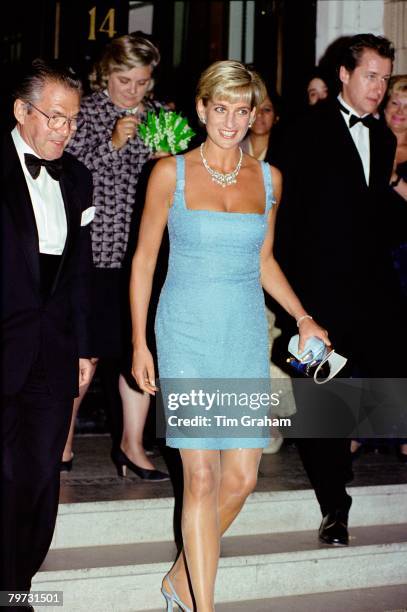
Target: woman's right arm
column 161, row 187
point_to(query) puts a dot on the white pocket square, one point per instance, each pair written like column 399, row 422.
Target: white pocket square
column 88, row 215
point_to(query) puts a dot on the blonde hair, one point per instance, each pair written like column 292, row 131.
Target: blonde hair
column 123, row 53
column 231, row 81
column 398, row 84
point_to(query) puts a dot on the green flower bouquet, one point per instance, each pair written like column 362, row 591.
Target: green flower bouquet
column 168, row 132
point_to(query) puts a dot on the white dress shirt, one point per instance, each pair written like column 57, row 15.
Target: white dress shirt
column 361, row 137
column 47, row 202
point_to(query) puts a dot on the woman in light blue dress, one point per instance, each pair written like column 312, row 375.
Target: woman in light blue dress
column 220, row 207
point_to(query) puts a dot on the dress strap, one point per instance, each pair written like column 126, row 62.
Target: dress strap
column 180, row 182
column 268, row 186
column 180, row 161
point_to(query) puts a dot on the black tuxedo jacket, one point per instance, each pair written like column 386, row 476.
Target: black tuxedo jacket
column 56, row 325
column 332, row 231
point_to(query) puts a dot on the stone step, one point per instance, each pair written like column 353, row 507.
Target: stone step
column 379, row 599
column 151, row 520
column 127, row 577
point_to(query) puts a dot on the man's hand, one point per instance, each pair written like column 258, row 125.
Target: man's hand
column 86, row 370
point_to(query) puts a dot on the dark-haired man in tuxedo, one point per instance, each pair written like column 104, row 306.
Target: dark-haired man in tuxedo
column 331, row 241
column 46, row 206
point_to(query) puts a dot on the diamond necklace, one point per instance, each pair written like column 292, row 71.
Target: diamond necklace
column 224, row 179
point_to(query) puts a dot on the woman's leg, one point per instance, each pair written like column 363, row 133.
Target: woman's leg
column 238, row 477
column 135, row 410
column 68, row 454
column 239, row 469
column 200, row 523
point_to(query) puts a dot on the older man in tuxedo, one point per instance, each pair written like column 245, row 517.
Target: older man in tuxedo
column 46, row 206
column 331, row 241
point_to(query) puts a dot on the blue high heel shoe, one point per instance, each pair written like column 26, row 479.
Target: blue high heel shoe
column 172, row 597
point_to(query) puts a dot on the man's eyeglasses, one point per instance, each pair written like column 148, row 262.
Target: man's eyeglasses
column 57, row 122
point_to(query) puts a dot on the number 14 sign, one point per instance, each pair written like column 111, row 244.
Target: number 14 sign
column 105, row 21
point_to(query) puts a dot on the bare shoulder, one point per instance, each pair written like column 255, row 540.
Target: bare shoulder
column 165, row 168
column 164, row 174
column 277, row 182
column 276, row 176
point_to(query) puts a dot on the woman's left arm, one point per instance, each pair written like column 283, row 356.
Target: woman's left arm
column 275, row 282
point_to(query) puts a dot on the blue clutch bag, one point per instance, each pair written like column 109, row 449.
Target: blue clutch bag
column 316, row 360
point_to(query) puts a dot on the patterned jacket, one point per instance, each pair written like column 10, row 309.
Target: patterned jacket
column 115, row 174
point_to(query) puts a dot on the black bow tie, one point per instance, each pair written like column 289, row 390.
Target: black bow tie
column 367, row 120
column 33, row 163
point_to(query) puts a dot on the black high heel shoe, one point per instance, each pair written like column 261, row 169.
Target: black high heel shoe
column 122, row 462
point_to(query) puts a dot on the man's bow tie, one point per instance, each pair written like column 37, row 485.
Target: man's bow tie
column 367, row 120
column 33, row 163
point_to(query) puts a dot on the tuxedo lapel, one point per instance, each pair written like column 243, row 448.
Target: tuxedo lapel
column 72, row 212
column 374, row 159
column 378, row 155
column 17, row 198
column 346, row 149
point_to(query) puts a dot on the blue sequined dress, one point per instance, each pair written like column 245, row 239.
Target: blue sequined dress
column 211, row 320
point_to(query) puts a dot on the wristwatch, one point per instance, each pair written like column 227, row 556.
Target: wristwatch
column 396, row 181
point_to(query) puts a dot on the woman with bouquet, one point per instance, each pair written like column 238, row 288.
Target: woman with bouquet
column 108, row 143
column 220, row 205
